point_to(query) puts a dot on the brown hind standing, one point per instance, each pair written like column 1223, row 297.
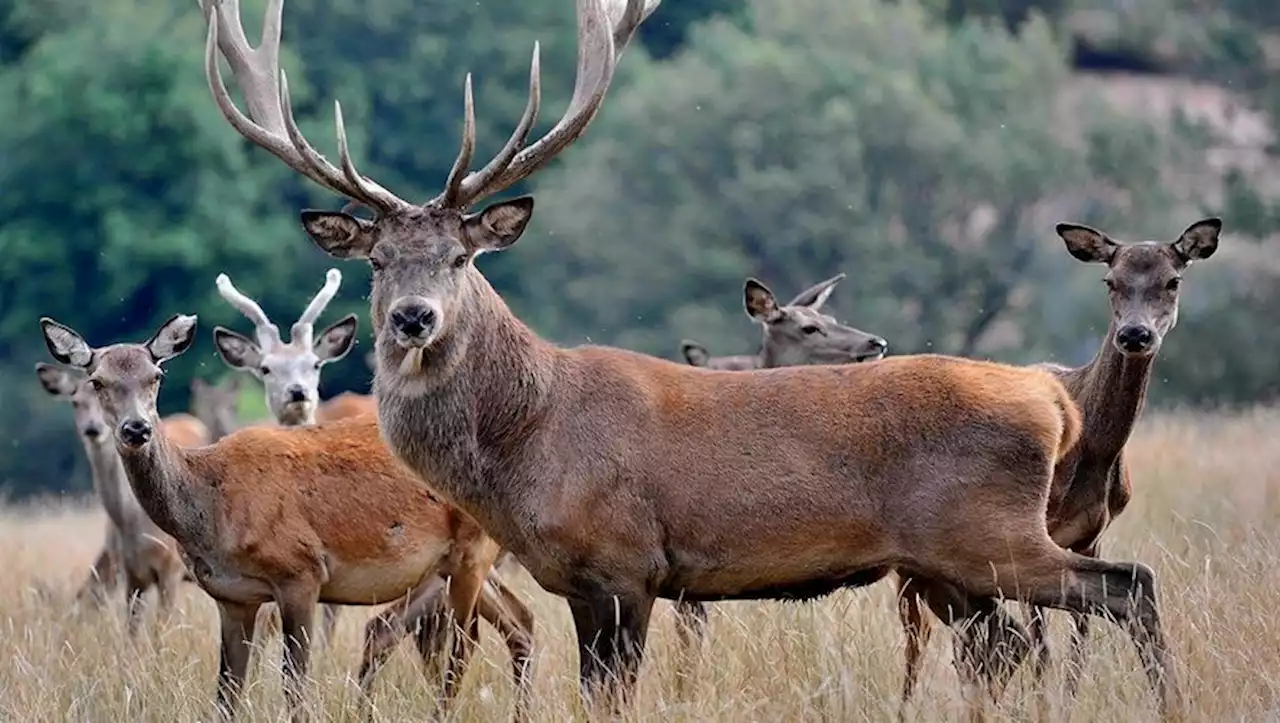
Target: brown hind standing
column 135, row 545
column 795, row 334
column 1091, row 484
column 617, row 478
column 266, row 515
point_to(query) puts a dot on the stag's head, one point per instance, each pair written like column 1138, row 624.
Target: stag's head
column 125, row 378
column 1143, row 279
column 290, row 372
column 800, row 333
column 70, row 386
column 421, row 254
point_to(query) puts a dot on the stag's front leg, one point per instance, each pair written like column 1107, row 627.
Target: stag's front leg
column 611, row 634
column 238, row 623
column 297, row 615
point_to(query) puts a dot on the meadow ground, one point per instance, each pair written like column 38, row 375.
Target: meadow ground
column 1206, row 516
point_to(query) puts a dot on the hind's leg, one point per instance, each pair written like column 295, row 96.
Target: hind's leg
column 917, row 630
column 1039, row 572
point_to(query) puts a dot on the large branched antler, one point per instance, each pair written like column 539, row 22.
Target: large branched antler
column 604, row 29
column 270, row 123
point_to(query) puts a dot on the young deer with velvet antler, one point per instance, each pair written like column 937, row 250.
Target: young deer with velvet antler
column 616, row 478
column 795, row 334
column 266, row 515
column 143, row 552
column 1091, row 484
column 289, row 371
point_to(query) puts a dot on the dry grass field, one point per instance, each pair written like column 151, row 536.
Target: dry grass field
column 1206, row 516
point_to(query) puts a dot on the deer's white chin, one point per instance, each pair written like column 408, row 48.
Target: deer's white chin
column 413, row 343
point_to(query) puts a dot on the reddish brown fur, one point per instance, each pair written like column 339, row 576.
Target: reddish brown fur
column 616, row 478
column 346, row 404
column 1092, row 485
column 265, row 514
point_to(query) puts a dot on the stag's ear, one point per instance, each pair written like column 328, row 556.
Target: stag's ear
column 338, row 234
column 237, row 350
column 1087, row 244
column 694, row 353
column 335, row 341
column 172, row 338
column 815, row 296
column 760, row 303
column 65, row 344
column 57, row 381
column 497, row 226
column 1199, row 241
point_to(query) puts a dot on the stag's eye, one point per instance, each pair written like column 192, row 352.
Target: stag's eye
column 265, row 370
column 95, row 385
column 376, row 264
column 460, row 261
column 318, row 365
column 1173, row 284
column 1111, row 284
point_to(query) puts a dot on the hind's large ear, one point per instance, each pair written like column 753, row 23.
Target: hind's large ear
column 815, row 296
column 1199, row 241
column 172, row 338
column 1087, row 244
column 58, row 381
column 760, row 302
column 694, row 353
column 65, row 344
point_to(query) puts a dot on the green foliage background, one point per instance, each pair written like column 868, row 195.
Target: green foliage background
column 921, row 146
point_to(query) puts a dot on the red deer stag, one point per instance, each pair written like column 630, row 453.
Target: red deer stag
column 142, row 551
column 616, row 478
column 266, row 515
column 796, row 334
column 1091, row 484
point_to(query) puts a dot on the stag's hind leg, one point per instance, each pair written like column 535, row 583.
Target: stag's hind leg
column 691, row 629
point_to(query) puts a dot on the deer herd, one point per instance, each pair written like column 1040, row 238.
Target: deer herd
column 612, row 477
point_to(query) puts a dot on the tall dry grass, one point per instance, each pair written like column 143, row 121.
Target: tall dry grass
column 1204, row 516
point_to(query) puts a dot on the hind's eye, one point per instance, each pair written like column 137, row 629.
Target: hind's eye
column 95, row 385
column 264, row 370
column 460, row 261
column 376, row 264
column 810, row 329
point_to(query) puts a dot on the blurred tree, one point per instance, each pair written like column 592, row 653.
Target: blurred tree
column 866, row 138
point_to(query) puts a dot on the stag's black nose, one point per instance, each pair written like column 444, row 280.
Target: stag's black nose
column 413, row 319
column 296, row 393
column 1135, row 339
column 135, row 432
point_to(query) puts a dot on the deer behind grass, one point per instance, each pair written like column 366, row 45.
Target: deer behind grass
column 1091, row 485
column 266, row 515
column 795, row 334
column 616, row 478
column 142, row 552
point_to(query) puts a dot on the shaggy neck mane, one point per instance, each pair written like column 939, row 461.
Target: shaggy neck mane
column 468, row 406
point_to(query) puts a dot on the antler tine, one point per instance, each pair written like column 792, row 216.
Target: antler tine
column 305, row 325
column 267, row 333
column 481, row 178
column 270, row 123
column 453, row 185
column 600, row 45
